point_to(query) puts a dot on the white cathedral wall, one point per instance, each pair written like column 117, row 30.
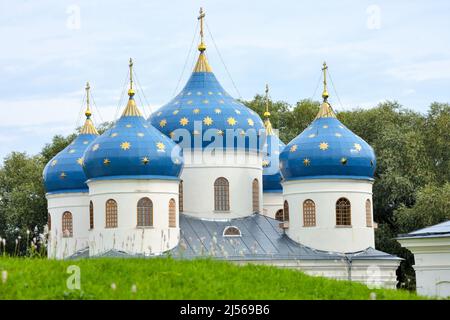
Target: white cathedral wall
column 272, row 202
column 326, row 235
column 373, row 273
column 200, row 172
column 128, row 237
column 60, row 247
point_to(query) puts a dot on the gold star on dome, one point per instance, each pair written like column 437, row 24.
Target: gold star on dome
column 221, row 101
column 293, row 148
column 159, row 113
column 140, row 134
column 175, row 112
column 231, row 121
column 196, row 111
column 250, row 122
column 106, row 161
column 199, row 93
column 220, row 132
column 63, row 175
column 237, row 111
column 85, row 142
column 217, row 111
column 128, row 125
column 161, row 146
column 80, row 161
column 306, row 162
column 189, row 102
column 125, row 145
column 54, row 162
column 145, row 160
column 242, row 133
column 323, row 146
column 95, row 147
column 265, row 163
column 207, row 121
column 210, row 93
column 219, row 93
column 189, row 93
column 184, row 121
column 206, row 101
column 72, row 151
column 163, row 123
column 343, row 161
column 341, row 127
column 177, row 161
column 196, row 132
column 176, row 102
column 113, row 134
column 357, row 147
column 172, row 134
column 337, row 134
column 145, row 126
column 312, row 135
column 325, row 127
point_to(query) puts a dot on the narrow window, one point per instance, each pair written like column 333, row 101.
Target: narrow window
column 111, row 214
column 180, row 196
column 279, row 215
column 172, row 214
column 49, row 221
column 309, row 213
column 91, row 215
column 145, row 213
column 368, row 213
column 255, row 192
column 67, row 225
column 343, row 212
column 286, row 211
column 221, row 194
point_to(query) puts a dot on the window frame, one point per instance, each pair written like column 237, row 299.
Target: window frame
column 145, row 219
column 309, row 213
column 221, row 195
column 343, row 210
column 111, row 214
column 172, row 213
column 67, row 224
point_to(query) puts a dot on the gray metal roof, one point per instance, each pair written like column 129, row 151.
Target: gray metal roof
column 438, row 230
column 261, row 239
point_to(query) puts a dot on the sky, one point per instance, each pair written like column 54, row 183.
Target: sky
column 375, row 50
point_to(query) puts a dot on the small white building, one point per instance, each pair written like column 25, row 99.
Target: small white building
column 431, row 249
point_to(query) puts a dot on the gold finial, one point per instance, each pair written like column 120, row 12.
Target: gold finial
column 131, row 91
column 267, row 113
column 325, row 110
column 325, row 91
column 201, row 46
column 88, row 112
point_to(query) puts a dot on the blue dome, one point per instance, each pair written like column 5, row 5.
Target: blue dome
column 64, row 173
column 327, row 149
column 271, row 172
column 133, row 149
column 203, row 105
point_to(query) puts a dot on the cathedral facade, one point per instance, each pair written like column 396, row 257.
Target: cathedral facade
column 205, row 176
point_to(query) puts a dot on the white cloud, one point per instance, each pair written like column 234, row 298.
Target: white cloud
column 422, row 71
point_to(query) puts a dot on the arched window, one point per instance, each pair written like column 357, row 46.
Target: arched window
column 221, row 194
column 231, row 231
column 180, row 196
column 91, row 215
column 368, row 213
column 145, row 213
column 343, row 212
column 111, row 214
column 49, row 221
column 67, row 225
column 172, row 214
column 309, row 213
column 279, row 215
column 255, row 192
column 286, row 211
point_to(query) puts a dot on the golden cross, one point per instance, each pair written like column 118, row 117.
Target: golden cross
column 131, row 91
column 267, row 113
column 88, row 111
column 325, row 91
column 201, row 46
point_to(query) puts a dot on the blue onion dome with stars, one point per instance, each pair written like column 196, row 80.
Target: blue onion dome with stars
column 132, row 149
column 209, row 115
column 64, row 173
column 271, row 158
column 327, row 149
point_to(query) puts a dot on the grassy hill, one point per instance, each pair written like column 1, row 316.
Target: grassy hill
column 165, row 278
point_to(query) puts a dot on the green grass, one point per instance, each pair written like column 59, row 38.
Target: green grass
column 166, row 278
